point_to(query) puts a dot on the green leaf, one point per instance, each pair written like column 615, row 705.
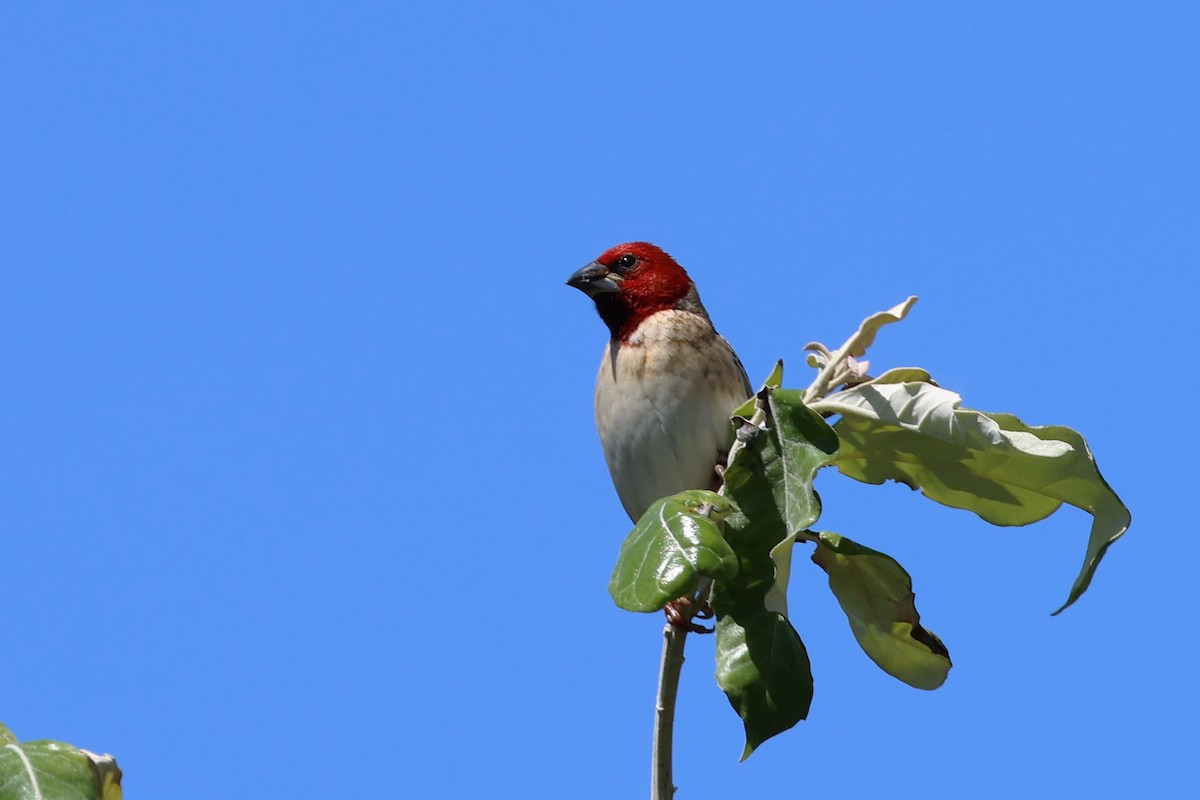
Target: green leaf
column 803, row 443
column 905, row 375
column 763, row 667
column 775, row 379
column 994, row 465
column 1083, row 488
column 761, row 662
column 746, row 410
column 675, row 542
column 55, row 771
column 876, row 594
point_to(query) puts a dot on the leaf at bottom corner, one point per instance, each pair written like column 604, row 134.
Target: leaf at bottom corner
column 55, row 771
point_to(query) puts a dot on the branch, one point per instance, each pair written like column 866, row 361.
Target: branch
column 662, row 783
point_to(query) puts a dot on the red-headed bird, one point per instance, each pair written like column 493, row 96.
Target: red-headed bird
column 668, row 381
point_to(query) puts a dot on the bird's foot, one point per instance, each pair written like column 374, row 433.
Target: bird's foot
column 718, row 479
column 682, row 611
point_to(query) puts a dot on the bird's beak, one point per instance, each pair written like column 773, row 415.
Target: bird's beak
column 595, row 279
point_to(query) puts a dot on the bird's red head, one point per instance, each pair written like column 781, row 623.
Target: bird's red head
column 630, row 282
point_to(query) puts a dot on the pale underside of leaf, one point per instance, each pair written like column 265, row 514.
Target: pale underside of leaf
column 876, row 594
column 864, row 337
column 994, row 465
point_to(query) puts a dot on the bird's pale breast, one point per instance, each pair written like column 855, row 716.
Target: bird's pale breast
column 663, row 400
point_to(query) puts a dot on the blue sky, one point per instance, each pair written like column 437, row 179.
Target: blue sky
column 300, row 493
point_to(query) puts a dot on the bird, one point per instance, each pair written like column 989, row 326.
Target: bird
column 668, row 382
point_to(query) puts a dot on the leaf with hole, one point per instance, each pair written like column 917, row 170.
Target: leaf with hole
column 876, row 594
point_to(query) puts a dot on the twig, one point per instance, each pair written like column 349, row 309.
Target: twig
column 662, row 783
column 854, row 347
column 662, row 786
column 824, row 380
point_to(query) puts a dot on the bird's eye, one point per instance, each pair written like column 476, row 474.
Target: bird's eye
column 627, row 261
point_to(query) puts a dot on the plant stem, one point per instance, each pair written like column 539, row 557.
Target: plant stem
column 662, row 784
column 856, row 347
column 824, row 380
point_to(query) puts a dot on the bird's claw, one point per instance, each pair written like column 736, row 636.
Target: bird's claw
column 682, row 612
